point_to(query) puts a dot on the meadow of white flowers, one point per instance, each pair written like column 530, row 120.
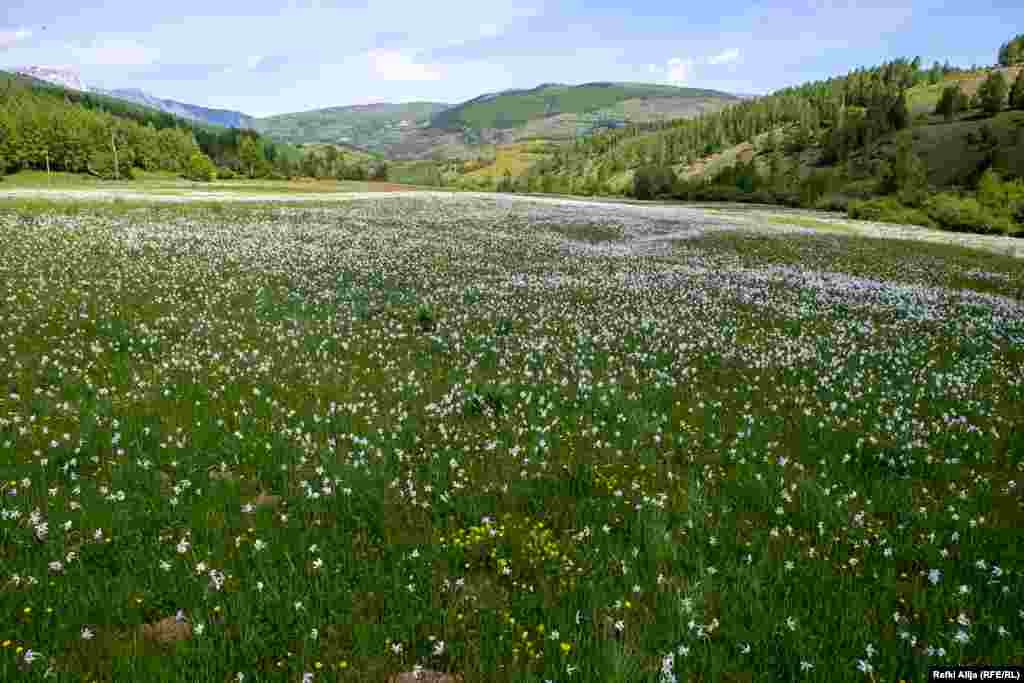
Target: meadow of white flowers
column 502, row 438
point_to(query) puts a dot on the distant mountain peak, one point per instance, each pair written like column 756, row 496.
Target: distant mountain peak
column 64, row 76
column 70, row 78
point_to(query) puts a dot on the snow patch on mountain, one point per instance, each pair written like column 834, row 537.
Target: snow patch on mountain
column 64, row 76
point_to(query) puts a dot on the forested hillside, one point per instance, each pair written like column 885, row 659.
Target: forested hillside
column 431, row 130
column 44, row 126
column 938, row 146
column 369, row 126
column 513, row 108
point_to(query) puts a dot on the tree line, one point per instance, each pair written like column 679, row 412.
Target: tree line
column 47, row 127
column 838, row 116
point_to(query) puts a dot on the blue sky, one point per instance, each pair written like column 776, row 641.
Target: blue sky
column 268, row 58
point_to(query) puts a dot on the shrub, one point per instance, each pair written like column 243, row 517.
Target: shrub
column 225, row 174
column 832, row 201
column 200, row 168
column 863, row 188
column 378, row 171
column 967, row 214
column 1002, row 196
column 426, row 318
column 653, row 181
column 816, row 184
column 888, row 210
column 505, row 184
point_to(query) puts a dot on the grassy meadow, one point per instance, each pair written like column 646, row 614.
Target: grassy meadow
column 504, row 440
column 158, row 182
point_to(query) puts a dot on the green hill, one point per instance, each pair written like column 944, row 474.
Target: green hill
column 421, row 130
column 515, row 108
column 370, row 127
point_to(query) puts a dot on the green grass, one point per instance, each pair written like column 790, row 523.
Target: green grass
column 821, row 226
column 170, row 183
column 473, row 442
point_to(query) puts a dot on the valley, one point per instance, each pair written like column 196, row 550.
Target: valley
column 616, row 381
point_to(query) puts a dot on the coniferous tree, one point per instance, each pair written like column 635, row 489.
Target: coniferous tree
column 963, row 101
column 949, row 102
column 1017, row 92
column 992, row 93
column 1012, row 52
column 907, row 176
column 899, row 113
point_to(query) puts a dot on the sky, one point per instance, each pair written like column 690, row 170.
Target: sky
column 266, row 58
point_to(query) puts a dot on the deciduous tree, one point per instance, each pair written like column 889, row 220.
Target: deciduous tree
column 201, row 168
column 248, row 155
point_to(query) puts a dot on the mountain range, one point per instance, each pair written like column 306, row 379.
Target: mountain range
column 68, row 77
column 551, row 111
column 419, row 130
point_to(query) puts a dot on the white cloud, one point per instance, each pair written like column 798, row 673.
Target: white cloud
column 496, row 23
column 115, row 53
column 9, row 38
column 731, row 55
column 679, row 71
column 395, row 66
column 254, row 61
column 489, row 30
